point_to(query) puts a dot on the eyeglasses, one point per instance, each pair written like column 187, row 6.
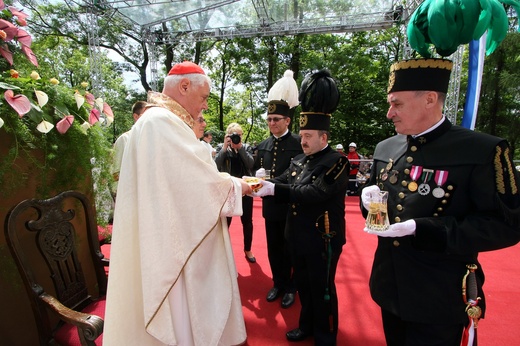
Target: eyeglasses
column 275, row 120
column 201, row 120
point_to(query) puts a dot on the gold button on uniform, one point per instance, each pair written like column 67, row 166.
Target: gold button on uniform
column 397, row 219
column 413, row 148
column 404, row 183
column 399, row 207
column 396, row 243
column 409, row 159
column 401, row 195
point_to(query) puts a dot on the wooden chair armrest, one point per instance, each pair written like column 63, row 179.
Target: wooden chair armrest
column 90, row 327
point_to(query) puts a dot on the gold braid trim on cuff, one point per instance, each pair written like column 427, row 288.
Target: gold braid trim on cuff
column 499, row 172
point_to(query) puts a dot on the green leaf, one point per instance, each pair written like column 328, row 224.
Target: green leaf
column 8, row 86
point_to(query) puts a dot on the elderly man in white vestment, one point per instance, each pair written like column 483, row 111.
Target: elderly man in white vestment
column 172, row 276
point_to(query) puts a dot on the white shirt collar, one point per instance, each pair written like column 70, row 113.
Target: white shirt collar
column 431, row 128
column 287, row 130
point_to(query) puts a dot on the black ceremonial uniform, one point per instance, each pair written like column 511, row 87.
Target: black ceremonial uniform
column 462, row 190
column 311, row 192
column 276, row 154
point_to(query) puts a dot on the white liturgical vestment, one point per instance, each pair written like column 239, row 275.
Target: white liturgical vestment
column 172, row 278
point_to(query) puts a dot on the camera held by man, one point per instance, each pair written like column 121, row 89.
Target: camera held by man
column 235, row 138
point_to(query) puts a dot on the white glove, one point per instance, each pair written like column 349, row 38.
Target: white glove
column 399, row 229
column 260, row 173
column 267, row 189
column 367, row 192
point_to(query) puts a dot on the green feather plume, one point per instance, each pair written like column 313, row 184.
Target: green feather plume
column 446, row 24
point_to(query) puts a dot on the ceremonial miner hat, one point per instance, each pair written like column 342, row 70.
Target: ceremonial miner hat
column 319, row 97
column 420, row 74
column 186, row 67
column 283, row 95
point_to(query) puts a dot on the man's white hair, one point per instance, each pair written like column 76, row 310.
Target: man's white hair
column 197, row 79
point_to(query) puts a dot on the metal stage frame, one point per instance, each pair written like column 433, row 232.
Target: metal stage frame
column 158, row 27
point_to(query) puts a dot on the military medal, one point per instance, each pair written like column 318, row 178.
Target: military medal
column 414, row 174
column 424, row 188
column 440, row 179
column 393, row 177
column 389, row 165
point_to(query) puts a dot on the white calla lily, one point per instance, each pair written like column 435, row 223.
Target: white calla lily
column 85, row 126
column 99, row 102
column 1, row 122
column 109, row 121
column 41, row 97
column 44, row 126
column 79, row 100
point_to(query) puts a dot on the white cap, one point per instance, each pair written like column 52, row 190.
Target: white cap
column 339, row 147
column 352, row 145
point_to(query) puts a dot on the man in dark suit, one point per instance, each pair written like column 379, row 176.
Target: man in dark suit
column 452, row 193
column 274, row 155
column 314, row 186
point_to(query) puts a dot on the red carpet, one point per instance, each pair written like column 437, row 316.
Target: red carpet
column 359, row 316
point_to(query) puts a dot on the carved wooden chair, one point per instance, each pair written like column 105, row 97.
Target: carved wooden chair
column 55, row 245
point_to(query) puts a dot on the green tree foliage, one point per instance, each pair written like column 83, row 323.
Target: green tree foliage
column 243, row 70
column 499, row 105
column 77, row 24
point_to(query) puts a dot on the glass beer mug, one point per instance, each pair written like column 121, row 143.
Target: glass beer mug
column 377, row 219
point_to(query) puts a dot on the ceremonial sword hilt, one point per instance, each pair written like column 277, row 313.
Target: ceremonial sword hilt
column 470, row 294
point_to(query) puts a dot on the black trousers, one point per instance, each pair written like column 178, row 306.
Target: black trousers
column 247, row 221
column 279, row 255
column 404, row 333
column 352, row 185
column 317, row 291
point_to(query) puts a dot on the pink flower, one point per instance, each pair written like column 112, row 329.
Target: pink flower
column 21, row 16
column 30, row 55
column 90, row 98
column 20, row 103
column 21, row 21
column 64, row 124
column 6, row 53
column 94, row 116
column 24, row 38
column 107, row 110
column 10, row 29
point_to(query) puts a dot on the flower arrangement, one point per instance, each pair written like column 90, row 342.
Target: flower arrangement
column 55, row 128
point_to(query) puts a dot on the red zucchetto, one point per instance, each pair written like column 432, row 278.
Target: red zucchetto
column 186, row 67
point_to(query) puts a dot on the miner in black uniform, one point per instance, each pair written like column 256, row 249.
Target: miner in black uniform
column 275, row 154
column 452, row 193
column 314, row 186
